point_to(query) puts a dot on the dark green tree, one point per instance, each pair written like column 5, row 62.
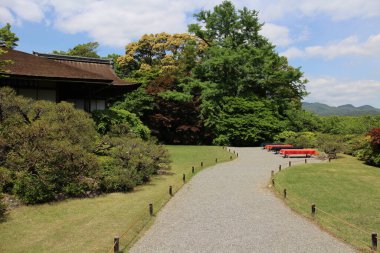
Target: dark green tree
column 240, row 62
column 83, row 50
column 8, row 37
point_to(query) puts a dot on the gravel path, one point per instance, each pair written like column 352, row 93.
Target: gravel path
column 228, row 208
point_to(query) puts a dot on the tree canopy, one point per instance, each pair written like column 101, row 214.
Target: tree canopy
column 8, row 37
column 221, row 65
column 83, row 50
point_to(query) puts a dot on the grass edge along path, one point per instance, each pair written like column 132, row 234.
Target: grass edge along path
column 90, row 224
column 346, row 194
column 145, row 223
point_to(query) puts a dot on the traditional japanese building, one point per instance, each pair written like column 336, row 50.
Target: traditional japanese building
column 88, row 83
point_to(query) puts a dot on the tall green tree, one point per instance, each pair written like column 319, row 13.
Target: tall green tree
column 240, row 62
column 8, row 37
column 84, row 50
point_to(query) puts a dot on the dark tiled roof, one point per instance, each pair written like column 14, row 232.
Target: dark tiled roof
column 62, row 67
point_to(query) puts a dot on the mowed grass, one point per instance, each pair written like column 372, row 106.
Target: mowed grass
column 89, row 225
column 346, row 189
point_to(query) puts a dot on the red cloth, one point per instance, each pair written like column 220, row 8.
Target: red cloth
column 278, row 146
column 298, row 151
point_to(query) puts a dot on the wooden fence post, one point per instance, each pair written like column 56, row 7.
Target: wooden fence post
column 313, row 210
column 170, row 190
column 284, row 193
column 279, row 168
column 305, row 160
column 184, row 178
column 374, row 241
column 116, row 244
column 290, row 164
column 192, row 170
column 151, row 209
column 273, row 182
column 201, row 164
column 216, row 160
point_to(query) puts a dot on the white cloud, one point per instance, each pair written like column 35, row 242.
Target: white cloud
column 347, row 47
column 16, row 11
column 116, row 22
column 338, row 92
column 279, row 35
column 336, row 9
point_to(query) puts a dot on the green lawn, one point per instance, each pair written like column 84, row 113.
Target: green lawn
column 89, row 225
column 345, row 188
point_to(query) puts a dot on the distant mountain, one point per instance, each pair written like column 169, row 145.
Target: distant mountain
column 343, row 110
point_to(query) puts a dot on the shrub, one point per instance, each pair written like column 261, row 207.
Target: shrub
column 6, row 180
column 47, row 147
column 49, row 151
column 330, row 144
column 303, row 139
column 370, row 153
column 130, row 161
column 120, row 122
column 3, row 208
column 374, row 134
column 284, row 136
column 242, row 122
column 31, row 189
column 52, row 168
column 115, row 177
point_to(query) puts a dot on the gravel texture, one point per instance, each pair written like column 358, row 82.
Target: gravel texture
column 229, row 208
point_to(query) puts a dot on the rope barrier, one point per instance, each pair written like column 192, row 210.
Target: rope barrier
column 278, row 187
column 343, row 221
column 333, row 226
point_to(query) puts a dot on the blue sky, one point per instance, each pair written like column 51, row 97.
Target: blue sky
column 335, row 42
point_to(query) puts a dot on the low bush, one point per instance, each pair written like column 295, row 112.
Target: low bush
column 49, row 151
column 130, row 161
column 3, row 208
column 6, row 180
column 303, row 139
column 121, row 122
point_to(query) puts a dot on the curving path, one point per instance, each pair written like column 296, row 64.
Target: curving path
column 228, row 208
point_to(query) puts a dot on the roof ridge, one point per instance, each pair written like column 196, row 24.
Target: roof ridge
column 74, row 58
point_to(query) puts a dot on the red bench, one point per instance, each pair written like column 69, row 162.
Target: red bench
column 289, row 152
column 270, row 147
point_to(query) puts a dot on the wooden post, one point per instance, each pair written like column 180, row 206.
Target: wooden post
column 272, row 173
column 192, row 170
column 151, row 209
column 279, row 168
column 201, row 164
column 290, row 164
column 116, row 244
column 230, row 157
column 273, row 182
column 305, row 160
column 237, row 154
column 170, row 190
column 216, row 160
column 284, row 193
column 184, row 178
column 374, row 241
column 313, row 210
